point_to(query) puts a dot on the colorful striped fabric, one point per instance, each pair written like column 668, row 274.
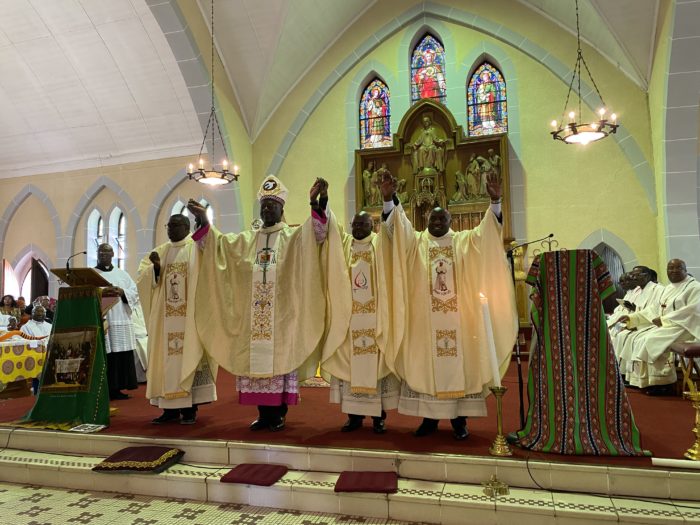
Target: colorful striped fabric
column 577, row 401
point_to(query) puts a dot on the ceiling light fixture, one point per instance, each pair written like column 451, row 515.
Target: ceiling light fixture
column 212, row 176
column 575, row 130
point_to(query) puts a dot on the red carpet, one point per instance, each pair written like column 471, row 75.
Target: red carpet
column 664, row 422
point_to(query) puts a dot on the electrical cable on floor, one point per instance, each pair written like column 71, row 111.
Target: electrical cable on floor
column 7, row 444
column 601, row 495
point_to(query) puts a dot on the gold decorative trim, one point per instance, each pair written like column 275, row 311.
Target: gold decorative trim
column 369, row 307
column 174, row 336
column 365, row 255
column 444, row 306
column 446, row 334
column 261, row 329
column 440, row 251
column 450, row 395
column 362, row 350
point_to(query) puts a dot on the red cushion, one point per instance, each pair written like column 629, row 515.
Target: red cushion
column 255, row 474
column 387, row 482
column 140, row 459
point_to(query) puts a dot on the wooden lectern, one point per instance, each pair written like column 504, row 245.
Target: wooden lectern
column 88, row 277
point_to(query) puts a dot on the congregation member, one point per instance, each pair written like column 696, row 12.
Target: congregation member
column 180, row 376
column 37, row 327
column 44, row 301
column 437, row 275
column 672, row 316
column 358, row 325
column 260, row 301
column 8, row 306
column 120, row 341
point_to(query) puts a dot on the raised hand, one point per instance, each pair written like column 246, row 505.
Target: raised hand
column 387, row 186
column 155, row 259
column 199, row 212
column 315, row 190
column 493, row 186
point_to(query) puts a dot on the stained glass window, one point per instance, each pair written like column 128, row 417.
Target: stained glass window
column 486, row 102
column 375, row 128
column 428, row 70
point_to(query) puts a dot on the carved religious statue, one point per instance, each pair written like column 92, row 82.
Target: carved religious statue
column 429, row 149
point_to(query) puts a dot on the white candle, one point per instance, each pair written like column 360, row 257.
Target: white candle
column 489, row 340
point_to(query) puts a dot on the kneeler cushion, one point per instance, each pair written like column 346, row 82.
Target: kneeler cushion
column 255, row 474
column 367, row 482
column 140, row 459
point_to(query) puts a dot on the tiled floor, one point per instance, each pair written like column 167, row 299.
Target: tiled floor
column 32, row 505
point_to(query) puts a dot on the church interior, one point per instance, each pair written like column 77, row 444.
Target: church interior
column 106, row 109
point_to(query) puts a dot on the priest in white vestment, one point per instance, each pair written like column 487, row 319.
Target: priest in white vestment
column 37, row 325
column 627, row 283
column 260, row 301
column 674, row 317
column 358, row 321
column 180, row 376
column 441, row 349
column 120, row 341
column 647, row 293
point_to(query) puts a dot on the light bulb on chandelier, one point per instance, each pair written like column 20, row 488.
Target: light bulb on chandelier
column 579, row 131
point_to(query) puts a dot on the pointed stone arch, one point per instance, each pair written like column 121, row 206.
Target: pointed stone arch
column 124, row 198
column 17, row 201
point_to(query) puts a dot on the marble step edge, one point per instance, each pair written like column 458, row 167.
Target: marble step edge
column 452, row 468
column 416, row 500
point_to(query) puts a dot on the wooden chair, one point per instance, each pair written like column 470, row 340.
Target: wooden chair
column 686, row 353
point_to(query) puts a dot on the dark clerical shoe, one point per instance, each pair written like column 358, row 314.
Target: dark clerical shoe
column 512, row 438
column 117, row 395
column 660, row 390
column 169, row 415
column 459, row 428
column 259, row 424
column 276, row 424
column 427, row 427
column 378, row 425
column 353, row 423
column 189, row 416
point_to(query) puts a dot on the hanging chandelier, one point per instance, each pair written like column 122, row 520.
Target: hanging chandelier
column 575, row 130
column 212, row 176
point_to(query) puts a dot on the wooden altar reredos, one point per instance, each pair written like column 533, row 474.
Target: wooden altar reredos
column 436, row 164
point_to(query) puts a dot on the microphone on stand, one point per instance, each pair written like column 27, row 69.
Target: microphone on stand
column 68, row 261
column 510, row 250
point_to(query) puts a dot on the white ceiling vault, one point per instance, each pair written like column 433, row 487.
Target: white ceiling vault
column 85, row 83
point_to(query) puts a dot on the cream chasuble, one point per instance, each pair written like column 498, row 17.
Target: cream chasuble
column 442, row 350
column 260, row 302
column 179, row 373
column 357, row 309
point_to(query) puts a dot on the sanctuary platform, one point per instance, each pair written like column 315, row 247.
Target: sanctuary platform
column 440, row 478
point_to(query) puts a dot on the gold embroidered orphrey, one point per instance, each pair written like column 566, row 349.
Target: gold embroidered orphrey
column 262, row 311
column 369, row 307
column 363, row 335
column 176, row 289
column 176, row 343
column 365, row 255
column 449, row 337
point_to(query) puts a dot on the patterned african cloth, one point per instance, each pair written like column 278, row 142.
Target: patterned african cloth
column 577, row 401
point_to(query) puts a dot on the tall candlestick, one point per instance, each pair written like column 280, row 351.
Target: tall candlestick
column 489, row 340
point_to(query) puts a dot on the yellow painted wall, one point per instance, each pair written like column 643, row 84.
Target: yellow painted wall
column 31, row 224
column 570, row 191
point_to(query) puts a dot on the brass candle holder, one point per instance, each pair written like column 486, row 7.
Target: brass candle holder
column 694, row 451
column 500, row 446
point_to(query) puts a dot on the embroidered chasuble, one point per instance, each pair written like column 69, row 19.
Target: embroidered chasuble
column 260, row 307
column 644, row 356
column 577, row 401
column 179, row 372
column 443, row 354
column 357, row 315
